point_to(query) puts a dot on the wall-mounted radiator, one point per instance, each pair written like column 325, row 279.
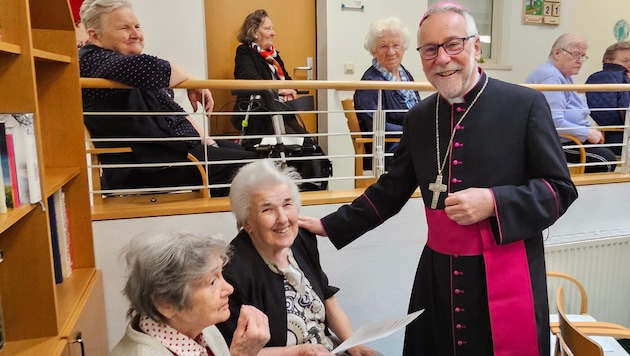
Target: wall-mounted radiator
column 603, row 267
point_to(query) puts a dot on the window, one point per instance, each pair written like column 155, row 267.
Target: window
column 488, row 17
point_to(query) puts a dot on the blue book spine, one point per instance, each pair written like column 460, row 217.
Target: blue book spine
column 54, row 240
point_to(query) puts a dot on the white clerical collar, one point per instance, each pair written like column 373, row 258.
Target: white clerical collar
column 460, row 99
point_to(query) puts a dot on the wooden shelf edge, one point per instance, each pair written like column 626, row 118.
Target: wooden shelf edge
column 599, row 178
column 14, row 215
column 50, row 56
column 56, row 178
column 10, row 48
column 29, row 347
column 70, row 296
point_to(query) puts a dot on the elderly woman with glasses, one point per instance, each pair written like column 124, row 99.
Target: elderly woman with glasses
column 177, row 295
column 386, row 40
column 568, row 108
column 276, row 268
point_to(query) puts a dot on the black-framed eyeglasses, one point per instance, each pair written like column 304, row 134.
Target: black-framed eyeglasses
column 577, row 56
column 451, row 47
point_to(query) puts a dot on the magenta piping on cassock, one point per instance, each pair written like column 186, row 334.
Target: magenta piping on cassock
column 373, row 208
column 555, row 197
column 510, row 297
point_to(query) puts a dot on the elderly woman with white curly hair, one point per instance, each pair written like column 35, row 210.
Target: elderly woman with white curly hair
column 275, row 267
column 387, row 40
column 177, row 294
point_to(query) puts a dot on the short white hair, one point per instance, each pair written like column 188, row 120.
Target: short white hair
column 385, row 24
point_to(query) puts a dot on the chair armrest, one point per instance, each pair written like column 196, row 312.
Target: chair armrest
column 97, row 151
column 370, row 140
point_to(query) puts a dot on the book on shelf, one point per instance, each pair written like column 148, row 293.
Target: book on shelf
column 13, row 169
column 63, row 232
column 20, row 126
column 6, row 171
column 3, row 200
column 54, row 241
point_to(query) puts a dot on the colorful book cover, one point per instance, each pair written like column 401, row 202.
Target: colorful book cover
column 6, row 172
column 12, row 166
column 21, row 127
column 3, row 200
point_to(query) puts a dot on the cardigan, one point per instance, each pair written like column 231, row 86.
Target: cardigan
column 137, row 343
column 255, row 284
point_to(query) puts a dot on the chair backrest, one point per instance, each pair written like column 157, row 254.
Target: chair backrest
column 576, row 283
column 562, row 349
column 353, row 124
column 578, row 342
column 96, row 173
column 577, row 169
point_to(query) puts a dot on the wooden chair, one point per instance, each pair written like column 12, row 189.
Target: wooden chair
column 578, row 343
column 576, row 169
column 562, row 349
column 96, row 174
column 359, row 142
column 592, row 328
column 604, row 129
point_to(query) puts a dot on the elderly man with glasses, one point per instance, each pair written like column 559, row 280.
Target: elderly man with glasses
column 488, row 162
column 568, row 108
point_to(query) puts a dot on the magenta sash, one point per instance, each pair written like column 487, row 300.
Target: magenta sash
column 510, row 297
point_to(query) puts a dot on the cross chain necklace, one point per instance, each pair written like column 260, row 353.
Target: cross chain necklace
column 438, row 187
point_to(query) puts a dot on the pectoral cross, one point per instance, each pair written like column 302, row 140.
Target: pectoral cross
column 436, row 188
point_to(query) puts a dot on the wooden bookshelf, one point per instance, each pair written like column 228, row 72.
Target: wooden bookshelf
column 39, row 74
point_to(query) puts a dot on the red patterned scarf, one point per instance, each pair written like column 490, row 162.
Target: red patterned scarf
column 269, row 55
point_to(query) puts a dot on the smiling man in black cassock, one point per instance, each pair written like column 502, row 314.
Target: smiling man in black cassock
column 490, row 167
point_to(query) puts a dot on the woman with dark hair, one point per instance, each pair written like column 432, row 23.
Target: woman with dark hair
column 257, row 59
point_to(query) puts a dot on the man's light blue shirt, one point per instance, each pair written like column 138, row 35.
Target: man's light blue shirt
column 568, row 109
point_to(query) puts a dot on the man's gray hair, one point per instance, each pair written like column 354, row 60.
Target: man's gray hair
column 567, row 40
column 450, row 6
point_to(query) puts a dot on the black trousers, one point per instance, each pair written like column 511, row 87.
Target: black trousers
column 593, row 154
column 189, row 175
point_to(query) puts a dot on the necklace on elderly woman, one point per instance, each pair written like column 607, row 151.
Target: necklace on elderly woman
column 438, row 186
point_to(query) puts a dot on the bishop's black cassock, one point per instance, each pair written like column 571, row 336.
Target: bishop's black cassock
column 483, row 286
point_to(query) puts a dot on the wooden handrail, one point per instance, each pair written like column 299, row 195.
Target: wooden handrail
column 340, row 85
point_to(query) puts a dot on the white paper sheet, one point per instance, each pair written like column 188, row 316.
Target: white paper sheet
column 375, row 331
column 286, row 140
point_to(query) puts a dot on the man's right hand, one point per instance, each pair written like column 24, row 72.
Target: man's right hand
column 313, row 225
